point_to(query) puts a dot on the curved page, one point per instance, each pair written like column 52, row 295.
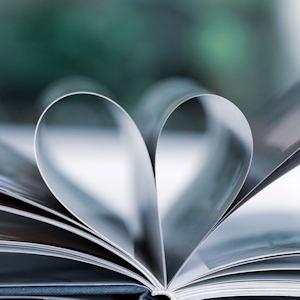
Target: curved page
column 94, row 160
column 214, row 182
column 203, row 149
column 287, row 165
column 276, row 132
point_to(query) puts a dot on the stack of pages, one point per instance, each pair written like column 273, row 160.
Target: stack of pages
column 181, row 199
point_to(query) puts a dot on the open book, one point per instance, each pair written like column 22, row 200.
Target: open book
column 181, row 203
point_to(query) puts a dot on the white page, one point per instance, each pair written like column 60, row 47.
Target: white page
column 267, row 225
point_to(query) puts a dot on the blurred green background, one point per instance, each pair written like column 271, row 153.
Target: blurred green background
column 239, row 49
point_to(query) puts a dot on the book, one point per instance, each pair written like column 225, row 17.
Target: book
column 181, row 199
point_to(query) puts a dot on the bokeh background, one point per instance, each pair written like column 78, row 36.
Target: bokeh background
column 245, row 50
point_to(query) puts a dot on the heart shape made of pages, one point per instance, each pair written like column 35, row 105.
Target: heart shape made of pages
column 188, row 146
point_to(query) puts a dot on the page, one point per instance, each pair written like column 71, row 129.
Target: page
column 217, row 165
column 266, row 226
column 276, row 135
column 276, row 283
column 284, row 167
